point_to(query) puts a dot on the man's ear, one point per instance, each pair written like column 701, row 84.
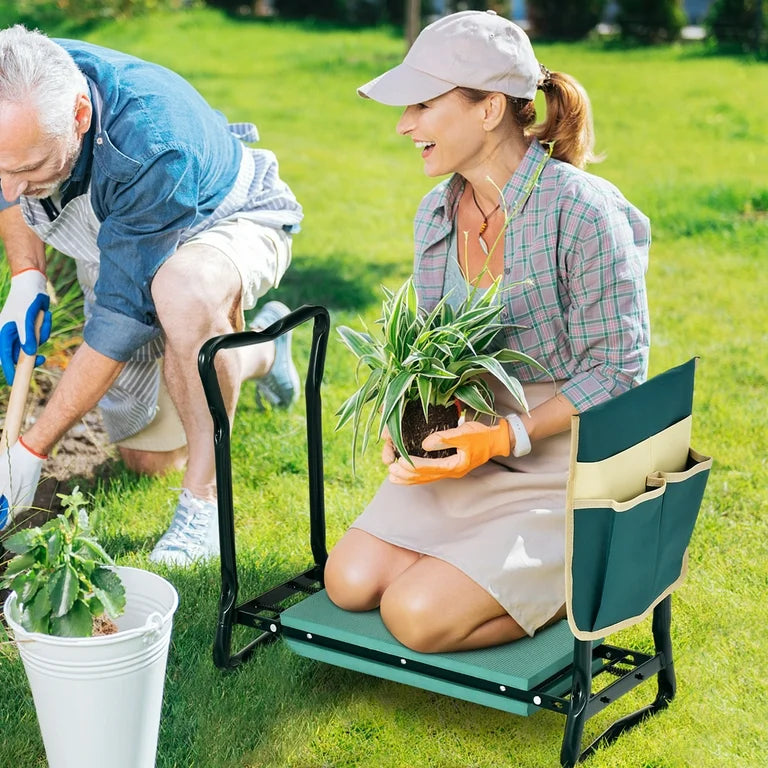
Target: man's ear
column 495, row 107
column 83, row 114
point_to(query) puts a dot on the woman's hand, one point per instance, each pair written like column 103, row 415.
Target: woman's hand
column 474, row 442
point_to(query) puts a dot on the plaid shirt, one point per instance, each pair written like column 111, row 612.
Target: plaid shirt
column 584, row 249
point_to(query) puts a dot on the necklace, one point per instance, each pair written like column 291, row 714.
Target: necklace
column 484, row 225
column 519, row 203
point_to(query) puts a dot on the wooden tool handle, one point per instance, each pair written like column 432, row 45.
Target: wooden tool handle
column 19, row 391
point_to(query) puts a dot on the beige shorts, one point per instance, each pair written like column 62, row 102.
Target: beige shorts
column 261, row 256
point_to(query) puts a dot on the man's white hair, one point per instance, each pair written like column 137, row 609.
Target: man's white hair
column 36, row 71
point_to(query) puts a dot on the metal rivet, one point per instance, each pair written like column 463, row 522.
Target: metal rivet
column 99, row 140
column 403, row 661
column 537, row 700
column 502, row 688
column 309, row 635
column 273, row 627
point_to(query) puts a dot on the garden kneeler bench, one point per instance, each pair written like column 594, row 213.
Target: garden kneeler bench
column 634, row 491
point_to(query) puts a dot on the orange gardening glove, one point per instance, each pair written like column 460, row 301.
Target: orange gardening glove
column 475, row 443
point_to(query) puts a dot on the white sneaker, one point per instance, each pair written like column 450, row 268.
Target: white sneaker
column 281, row 386
column 193, row 535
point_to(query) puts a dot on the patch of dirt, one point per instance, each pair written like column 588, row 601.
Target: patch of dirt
column 103, row 625
column 81, row 457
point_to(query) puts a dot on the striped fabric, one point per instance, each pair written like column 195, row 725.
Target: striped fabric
column 575, row 258
column 131, row 402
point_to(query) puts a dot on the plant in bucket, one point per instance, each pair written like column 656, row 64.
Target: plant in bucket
column 93, row 637
column 424, row 367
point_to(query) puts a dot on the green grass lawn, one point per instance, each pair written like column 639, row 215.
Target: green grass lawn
column 684, row 134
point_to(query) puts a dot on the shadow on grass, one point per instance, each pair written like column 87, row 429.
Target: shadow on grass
column 335, row 282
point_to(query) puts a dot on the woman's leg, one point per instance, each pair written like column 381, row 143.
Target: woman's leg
column 433, row 607
column 361, row 567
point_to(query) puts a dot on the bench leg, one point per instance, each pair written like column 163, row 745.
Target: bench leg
column 665, row 677
column 662, row 638
column 581, row 689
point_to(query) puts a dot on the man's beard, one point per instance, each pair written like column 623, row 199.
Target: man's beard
column 74, row 145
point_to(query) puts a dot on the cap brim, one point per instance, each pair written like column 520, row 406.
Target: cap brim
column 403, row 85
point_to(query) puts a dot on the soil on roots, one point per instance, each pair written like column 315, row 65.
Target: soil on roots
column 416, row 428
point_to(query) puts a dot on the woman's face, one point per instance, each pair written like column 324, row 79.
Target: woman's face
column 448, row 131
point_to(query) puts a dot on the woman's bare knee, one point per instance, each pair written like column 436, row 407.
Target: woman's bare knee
column 153, row 463
column 349, row 586
column 414, row 620
column 436, row 608
column 360, row 567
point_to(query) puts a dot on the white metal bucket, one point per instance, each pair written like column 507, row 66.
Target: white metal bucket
column 113, row 684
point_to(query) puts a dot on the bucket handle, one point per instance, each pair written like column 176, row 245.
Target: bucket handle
column 153, row 628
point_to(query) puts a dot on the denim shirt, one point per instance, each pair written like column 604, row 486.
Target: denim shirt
column 157, row 161
column 573, row 287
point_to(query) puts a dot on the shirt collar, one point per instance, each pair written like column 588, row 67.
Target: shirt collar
column 518, row 188
column 80, row 178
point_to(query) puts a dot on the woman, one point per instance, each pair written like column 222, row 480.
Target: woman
column 467, row 552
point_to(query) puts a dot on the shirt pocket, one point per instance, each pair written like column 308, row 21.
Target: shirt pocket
column 112, row 162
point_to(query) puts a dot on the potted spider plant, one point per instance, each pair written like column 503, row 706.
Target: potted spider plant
column 423, row 368
column 93, row 637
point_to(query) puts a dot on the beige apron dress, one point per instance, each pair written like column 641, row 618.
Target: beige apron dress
column 502, row 524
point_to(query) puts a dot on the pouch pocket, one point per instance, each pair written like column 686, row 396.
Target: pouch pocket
column 627, row 555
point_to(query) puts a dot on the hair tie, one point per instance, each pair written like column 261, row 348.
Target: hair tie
column 546, row 79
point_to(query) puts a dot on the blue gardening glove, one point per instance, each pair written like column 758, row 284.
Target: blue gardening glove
column 26, row 299
column 19, row 475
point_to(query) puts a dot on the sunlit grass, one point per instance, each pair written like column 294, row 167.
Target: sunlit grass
column 684, row 136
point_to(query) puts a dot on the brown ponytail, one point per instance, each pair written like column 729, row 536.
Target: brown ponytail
column 568, row 121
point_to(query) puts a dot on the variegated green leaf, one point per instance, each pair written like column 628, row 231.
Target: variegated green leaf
column 23, row 541
column 394, row 424
column 476, row 397
column 77, row 622
column 20, row 563
column 359, row 343
column 62, row 589
column 35, row 614
column 110, row 591
column 394, row 393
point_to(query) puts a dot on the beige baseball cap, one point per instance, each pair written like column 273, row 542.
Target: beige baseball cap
column 471, row 49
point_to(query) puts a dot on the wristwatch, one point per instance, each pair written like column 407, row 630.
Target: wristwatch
column 522, row 440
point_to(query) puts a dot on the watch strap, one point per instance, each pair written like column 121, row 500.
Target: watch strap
column 522, row 445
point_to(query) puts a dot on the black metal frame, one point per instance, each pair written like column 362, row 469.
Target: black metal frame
column 569, row 691
column 257, row 612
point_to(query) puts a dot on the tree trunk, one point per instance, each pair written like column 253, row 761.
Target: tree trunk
column 412, row 21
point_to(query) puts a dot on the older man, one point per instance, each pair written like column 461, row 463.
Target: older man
column 176, row 227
